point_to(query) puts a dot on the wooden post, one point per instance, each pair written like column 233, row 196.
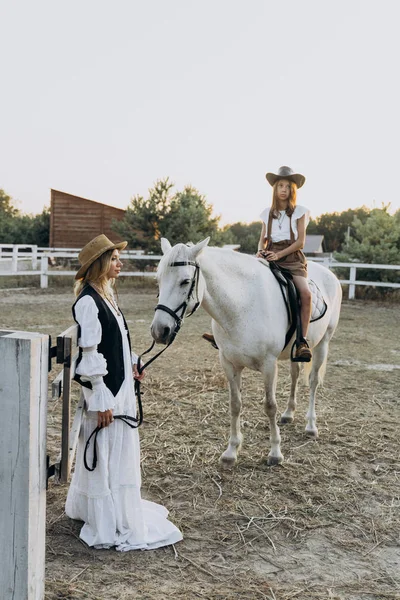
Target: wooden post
column 34, row 258
column 352, row 287
column 23, row 468
column 14, row 260
column 44, row 265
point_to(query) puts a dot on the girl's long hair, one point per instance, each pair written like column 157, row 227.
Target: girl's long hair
column 291, row 202
column 96, row 273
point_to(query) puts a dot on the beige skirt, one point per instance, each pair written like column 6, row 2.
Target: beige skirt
column 295, row 262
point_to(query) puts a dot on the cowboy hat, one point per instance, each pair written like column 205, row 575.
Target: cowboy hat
column 286, row 173
column 94, row 250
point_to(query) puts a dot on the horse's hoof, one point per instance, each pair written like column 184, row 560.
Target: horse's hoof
column 272, row 461
column 227, row 462
column 285, row 420
column 312, row 434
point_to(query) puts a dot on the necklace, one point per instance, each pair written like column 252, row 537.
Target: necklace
column 282, row 214
column 108, row 296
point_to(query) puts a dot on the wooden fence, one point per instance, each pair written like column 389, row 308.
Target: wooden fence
column 19, row 252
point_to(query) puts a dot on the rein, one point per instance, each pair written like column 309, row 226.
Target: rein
column 134, row 422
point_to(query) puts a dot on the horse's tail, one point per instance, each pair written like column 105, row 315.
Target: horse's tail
column 321, row 371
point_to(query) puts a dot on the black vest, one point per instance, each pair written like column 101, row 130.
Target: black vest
column 110, row 345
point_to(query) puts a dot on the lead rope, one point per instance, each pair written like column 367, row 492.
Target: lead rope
column 133, row 422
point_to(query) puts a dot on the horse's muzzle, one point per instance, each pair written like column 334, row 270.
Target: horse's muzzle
column 161, row 333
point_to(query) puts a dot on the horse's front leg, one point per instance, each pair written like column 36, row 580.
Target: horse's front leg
column 288, row 415
column 234, row 376
column 320, row 355
column 270, row 372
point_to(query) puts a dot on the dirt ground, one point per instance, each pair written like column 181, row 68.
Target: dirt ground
column 324, row 525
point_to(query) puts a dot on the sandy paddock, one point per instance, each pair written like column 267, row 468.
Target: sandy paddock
column 325, row 524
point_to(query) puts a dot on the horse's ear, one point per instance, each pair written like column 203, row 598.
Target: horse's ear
column 165, row 245
column 197, row 248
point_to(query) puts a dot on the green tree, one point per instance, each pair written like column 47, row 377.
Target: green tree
column 245, row 234
column 181, row 217
column 377, row 240
column 7, row 207
column 17, row 228
column 189, row 218
column 7, row 214
column 141, row 223
column 335, row 226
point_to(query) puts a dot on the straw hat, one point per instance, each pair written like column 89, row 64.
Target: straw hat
column 286, row 173
column 93, row 250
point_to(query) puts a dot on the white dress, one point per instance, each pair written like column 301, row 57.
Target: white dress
column 108, row 499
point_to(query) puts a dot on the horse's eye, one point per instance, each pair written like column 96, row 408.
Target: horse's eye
column 185, row 282
column 158, row 295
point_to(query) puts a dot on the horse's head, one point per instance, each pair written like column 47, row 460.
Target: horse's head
column 181, row 288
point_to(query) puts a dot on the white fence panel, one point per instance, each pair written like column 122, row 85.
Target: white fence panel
column 19, row 252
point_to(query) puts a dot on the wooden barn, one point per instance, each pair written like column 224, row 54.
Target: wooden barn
column 74, row 221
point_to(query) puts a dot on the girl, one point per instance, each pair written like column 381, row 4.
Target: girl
column 108, row 498
column 283, row 236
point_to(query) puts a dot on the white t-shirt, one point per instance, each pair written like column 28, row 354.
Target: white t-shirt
column 280, row 229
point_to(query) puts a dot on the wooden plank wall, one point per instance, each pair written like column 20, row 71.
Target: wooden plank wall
column 74, row 221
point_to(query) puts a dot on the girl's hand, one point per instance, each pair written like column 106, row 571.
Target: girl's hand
column 261, row 254
column 272, row 255
column 104, row 418
column 137, row 375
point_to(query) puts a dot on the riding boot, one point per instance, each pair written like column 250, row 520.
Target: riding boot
column 210, row 338
column 303, row 352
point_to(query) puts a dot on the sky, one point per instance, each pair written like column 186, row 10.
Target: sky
column 102, row 98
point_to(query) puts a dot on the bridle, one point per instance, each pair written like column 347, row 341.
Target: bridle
column 183, row 307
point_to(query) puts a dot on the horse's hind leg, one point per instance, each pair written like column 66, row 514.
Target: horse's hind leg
column 318, row 365
column 270, row 372
column 234, row 376
column 288, row 415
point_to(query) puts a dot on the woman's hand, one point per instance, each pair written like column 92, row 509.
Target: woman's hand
column 137, row 375
column 104, row 418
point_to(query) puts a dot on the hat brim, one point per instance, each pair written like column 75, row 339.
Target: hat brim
column 298, row 179
column 82, row 271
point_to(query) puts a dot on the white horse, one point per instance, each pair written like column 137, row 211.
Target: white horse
column 249, row 323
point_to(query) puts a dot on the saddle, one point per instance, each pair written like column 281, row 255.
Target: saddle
column 292, row 303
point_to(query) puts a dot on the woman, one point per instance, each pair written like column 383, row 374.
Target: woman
column 282, row 238
column 108, row 498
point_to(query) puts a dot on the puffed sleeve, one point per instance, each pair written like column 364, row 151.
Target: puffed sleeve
column 299, row 211
column 264, row 215
column 93, row 365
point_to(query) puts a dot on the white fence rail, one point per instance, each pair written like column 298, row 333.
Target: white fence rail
column 10, row 254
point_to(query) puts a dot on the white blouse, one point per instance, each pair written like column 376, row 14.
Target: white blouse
column 280, row 229
column 93, row 366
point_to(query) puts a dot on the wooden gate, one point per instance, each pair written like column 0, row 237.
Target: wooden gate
column 66, row 353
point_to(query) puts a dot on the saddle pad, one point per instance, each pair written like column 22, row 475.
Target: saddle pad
column 318, row 304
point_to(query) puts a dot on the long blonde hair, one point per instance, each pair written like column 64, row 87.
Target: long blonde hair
column 291, row 201
column 97, row 273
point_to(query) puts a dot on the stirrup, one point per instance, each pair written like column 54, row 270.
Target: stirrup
column 307, row 354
